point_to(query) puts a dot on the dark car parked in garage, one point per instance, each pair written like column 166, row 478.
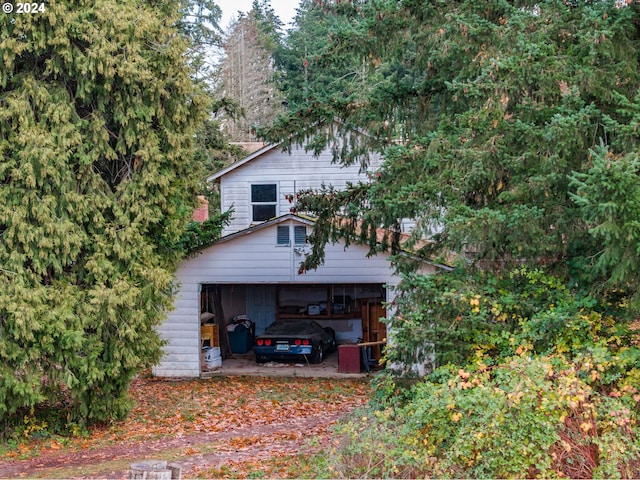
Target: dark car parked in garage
column 294, row 340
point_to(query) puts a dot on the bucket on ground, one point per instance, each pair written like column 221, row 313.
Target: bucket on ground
column 212, row 357
column 155, row 470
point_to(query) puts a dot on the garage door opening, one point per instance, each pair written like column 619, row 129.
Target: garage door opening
column 238, row 312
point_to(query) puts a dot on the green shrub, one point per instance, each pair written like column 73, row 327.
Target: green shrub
column 462, row 312
column 529, row 417
column 551, row 394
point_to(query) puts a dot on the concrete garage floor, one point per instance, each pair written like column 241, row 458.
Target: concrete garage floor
column 245, row 365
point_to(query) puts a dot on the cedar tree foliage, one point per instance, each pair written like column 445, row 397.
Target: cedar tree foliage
column 98, row 110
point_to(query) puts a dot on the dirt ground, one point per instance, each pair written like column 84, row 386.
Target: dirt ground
column 233, row 424
column 232, row 446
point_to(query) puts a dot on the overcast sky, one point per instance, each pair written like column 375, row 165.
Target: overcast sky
column 285, row 9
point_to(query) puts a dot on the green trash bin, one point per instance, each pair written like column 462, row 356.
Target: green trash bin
column 241, row 339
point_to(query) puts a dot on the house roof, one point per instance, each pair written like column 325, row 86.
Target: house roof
column 249, row 147
column 404, row 241
column 241, row 162
column 274, row 221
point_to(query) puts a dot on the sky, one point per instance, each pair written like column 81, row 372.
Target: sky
column 285, row 9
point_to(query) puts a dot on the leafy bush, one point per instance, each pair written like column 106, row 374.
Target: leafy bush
column 529, row 417
column 555, row 395
column 462, row 312
column 453, row 318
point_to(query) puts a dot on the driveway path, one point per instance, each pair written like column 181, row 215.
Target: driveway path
column 265, row 421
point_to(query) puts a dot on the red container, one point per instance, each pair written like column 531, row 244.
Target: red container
column 349, row 359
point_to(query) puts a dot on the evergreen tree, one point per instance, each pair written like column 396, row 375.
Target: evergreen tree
column 97, row 181
column 320, row 75
column 247, row 71
column 609, row 197
column 306, row 41
column 488, row 115
column 483, row 111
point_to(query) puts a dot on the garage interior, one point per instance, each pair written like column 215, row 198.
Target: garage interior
column 245, row 310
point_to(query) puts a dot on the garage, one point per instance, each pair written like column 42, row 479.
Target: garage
column 351, row 310
column 253, row 275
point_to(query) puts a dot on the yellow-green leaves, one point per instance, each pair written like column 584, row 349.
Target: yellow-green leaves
column 97, row 116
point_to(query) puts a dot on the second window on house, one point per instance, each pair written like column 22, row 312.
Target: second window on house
column 299, row 235
column 264, row 201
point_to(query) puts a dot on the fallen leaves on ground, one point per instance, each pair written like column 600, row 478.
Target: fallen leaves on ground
column 223, row 426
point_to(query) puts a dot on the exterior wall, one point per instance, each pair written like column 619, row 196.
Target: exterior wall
column 181, row 330
column 253, row 259
column 290, row 172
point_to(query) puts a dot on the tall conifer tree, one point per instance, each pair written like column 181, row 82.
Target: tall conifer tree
column 483, row 112
column 97, row 179
column 247, row 72
column 509, row 132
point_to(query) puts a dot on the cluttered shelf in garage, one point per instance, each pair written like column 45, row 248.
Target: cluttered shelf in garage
column 320, row 316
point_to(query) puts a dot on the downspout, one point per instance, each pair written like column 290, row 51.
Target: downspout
column 293, row 271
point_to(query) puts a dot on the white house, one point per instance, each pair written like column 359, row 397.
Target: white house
column 254, row 266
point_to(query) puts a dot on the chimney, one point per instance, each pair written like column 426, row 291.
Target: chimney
column 201, row 213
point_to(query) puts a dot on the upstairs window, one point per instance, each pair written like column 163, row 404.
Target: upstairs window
column 264, row 201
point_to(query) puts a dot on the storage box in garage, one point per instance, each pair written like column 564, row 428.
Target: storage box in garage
column 349, row 358
column 209, row 335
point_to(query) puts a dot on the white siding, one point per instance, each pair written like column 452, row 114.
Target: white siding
column 291, row 172
column 350, row 265
column 255, row 258
column 181, row 330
